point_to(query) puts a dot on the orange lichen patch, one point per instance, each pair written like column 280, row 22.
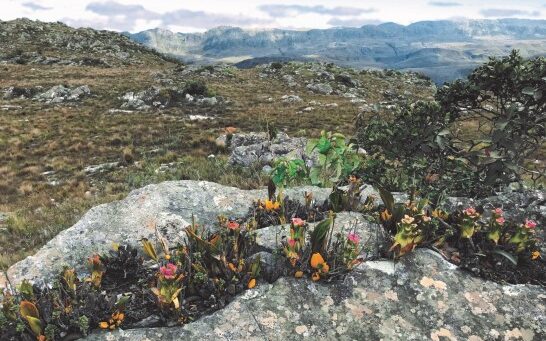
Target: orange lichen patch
column 478, row 304
column 519, row 334
column 391, row 295
column 442, row 334
column 358, row 310
column 301, row 329
column 428, row 282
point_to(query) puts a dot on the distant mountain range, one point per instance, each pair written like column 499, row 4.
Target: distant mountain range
column 443, row 50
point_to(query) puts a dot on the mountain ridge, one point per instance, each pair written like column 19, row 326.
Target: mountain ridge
column 460, row 45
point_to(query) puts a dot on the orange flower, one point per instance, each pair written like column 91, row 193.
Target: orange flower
column 103, row 325
column 535, row 255
column 252, row 283
column 385, row 215
column 316, row 260
column 232, row 267
column 298, row 274
column 272, row 205
column 315, row 277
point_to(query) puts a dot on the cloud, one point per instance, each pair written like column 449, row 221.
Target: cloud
column 34, row 6
column 123, row 17
column 293, row 10
column 208, row 20
column 505, row 12
column 353, row 22
column 445, row 3
column 112, row 8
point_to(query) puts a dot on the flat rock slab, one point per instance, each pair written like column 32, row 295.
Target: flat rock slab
column 169, row 206
column 422, row 297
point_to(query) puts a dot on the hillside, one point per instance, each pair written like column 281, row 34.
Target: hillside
column 23, row 41
column 443, row 50
column 74, row 135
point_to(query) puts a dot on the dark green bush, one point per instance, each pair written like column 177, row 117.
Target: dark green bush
column 197, row 88
column 476, row 138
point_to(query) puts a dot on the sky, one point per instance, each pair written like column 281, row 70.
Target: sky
column 200, row 15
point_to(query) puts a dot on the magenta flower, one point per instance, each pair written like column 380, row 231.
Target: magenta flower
column 353, row 238
column 500, row 220
column 291, row 242
column 168, row 271
column 530, row 224
column 298, row 222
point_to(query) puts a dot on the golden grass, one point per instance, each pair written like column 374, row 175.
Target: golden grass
column 46, row 147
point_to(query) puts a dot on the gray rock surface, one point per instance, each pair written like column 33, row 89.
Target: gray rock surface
column 264, row 152
column 422, row 297
column 60, row 94
column 320, row 88
column 371, row 234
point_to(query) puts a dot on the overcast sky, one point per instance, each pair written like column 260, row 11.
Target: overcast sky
column 199, row 15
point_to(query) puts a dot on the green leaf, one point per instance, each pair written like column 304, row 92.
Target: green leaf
column 318, row 236
column 387, row 199
column 507, row 255
column 529, row 91
column 35, row 325
column 323, row 145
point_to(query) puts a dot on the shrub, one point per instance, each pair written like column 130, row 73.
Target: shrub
column 506, row 99
column 197, row 88
column 431, row 145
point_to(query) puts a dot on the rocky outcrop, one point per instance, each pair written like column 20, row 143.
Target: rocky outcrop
column 24, row 41
column 169, row 206
column 60, row 94
column 320, row 88
column 163, row 97
column 257, row 150
column 422, row 297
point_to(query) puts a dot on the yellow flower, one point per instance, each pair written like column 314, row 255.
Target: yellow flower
column 298, row 274
column 272, row 205
column 252, row 283
column 407, row 219
column 535, row 255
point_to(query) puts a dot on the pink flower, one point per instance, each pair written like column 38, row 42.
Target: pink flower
column 168, row 271
column 530, row 224
column 298, row 222
column 498, row 212
column 291, row 242
column 353, row 238
column 471, row 211
column 233, row 225
column 500, row 220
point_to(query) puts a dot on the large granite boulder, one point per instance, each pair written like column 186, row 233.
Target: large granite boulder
column 169, row 206
column 422, row 297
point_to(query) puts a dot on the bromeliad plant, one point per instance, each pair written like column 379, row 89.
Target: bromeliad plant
column 469, row 224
